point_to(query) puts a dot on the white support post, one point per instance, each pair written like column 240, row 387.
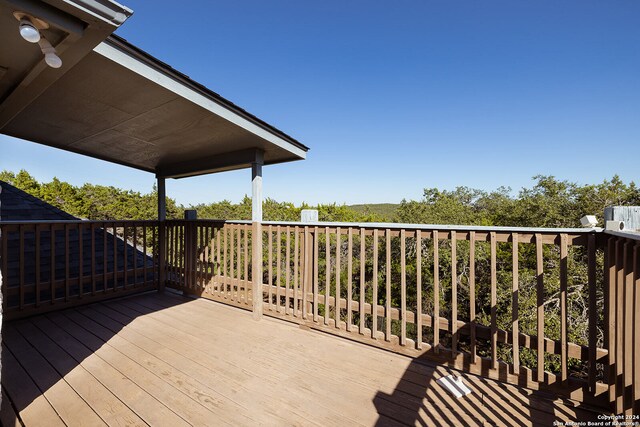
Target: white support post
column 162, row 216
column 256, row 222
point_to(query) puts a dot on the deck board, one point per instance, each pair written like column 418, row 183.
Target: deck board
column 167, row 360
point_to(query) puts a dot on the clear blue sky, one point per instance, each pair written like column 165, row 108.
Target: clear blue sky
column 396, row 96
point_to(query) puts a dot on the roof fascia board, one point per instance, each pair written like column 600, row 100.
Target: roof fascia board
column 107, row 11
column 173, row 84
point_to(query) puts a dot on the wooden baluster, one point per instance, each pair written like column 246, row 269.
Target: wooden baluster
column 593, row 315
column 175, row 257
column 270, row 269
column 228, row 261
column 155, row 255
column 494, row 303
column 515, row 330
column 374, row 298
column 115, row 258
column 620, row 256
column 80, row 261
column 610, row 315
column 93, row 258
column 278, row 267
column 403, row 287
column 454, row 294
column 213, row 259
column 37, row 255
column 21, row 257
column 436, row 293
column 219, row 262
column 210, row 276
column 238, row 277
column 189, row 255
column 307, row 273
column 168, row 236
column 627, row 323
column 180, row 256
column 349, row 278
column 636, row 329
column 472, row 296
column 226, row 271
column 337, row 300
column 199, row 249
column 232, row 264
column 66, row 263
column 124, row 256
column 4, row 236
column 144, row 254
column 246, row 264
column 135, row 254
column 287, row 274
column 419, row 290
column 363, row 316
column 202, row 258
column 196, row 253
column 563, row 307
column 316, row 242
column 105, row 259
column 216, row 260
column 327, row 271
column 540, row 304
column 387, row 302
column 296, row 248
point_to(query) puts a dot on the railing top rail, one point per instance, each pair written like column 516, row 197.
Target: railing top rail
column 625, row 234
column 82, row 221
column 203, row 220
column 439, row 227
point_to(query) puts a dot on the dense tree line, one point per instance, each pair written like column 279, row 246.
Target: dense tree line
column 95, row 202
column 99, row 202
column 548, row 203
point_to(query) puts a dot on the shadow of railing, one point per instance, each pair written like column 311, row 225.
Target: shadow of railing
column 418, row 399
column 63, row 350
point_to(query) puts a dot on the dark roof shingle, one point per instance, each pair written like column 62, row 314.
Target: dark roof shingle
column 17, row 205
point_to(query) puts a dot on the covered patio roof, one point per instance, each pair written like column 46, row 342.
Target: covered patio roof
column 113, row 101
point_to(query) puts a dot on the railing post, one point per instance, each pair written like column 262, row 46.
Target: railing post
column 162, row 216
column 190, row 249
column 256, row 234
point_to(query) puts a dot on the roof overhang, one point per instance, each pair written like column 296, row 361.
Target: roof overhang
column 112, row 101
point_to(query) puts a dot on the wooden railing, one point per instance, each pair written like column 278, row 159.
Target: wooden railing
column 622, row 313
column 457, row 295
column 568, row 298
column 51, row 265
column 211, row 259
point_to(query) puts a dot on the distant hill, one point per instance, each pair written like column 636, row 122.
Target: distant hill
column 386, row 210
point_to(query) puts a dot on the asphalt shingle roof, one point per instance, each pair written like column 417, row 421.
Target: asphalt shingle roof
column 17, row 205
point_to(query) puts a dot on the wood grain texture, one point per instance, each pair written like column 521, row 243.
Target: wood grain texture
column 148, row 360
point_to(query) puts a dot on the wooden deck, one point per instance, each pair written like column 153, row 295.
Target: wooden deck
column 166, row 360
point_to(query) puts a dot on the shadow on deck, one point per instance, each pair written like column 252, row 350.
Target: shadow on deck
column 167, row 360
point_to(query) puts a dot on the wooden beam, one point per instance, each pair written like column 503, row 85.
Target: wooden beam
column 220, row 162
